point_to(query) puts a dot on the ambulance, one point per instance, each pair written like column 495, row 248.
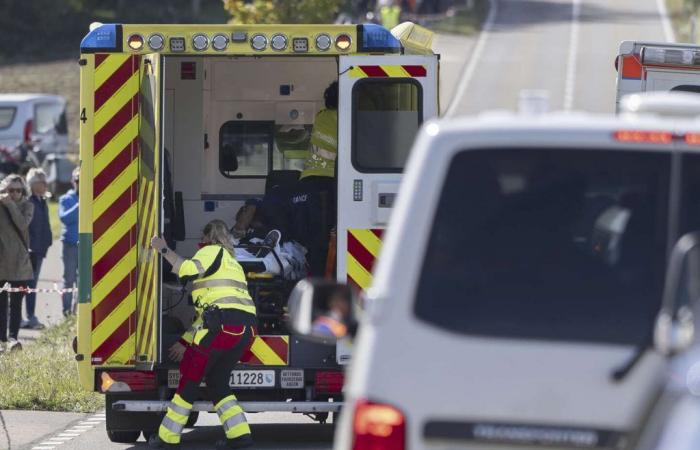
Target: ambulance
column 656, row 66
column 182, row 124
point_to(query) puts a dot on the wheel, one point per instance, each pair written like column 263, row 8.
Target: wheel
column 192, row 419
column 123, row 437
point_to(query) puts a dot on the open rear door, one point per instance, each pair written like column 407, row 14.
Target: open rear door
column 122, row 208
column 383, row 100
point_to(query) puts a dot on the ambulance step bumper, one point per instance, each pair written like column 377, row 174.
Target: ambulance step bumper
column 297, row 407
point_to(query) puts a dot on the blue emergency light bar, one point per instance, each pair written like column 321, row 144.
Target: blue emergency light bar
column 107, row 37
column 373, row 38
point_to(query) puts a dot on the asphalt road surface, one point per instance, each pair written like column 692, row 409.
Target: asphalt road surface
column 566, row 47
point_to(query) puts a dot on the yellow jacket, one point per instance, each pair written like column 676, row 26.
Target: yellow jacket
column 324, row 145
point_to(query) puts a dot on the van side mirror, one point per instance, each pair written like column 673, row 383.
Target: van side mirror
column 674, row 328
column 321, row 310
column 228, row 158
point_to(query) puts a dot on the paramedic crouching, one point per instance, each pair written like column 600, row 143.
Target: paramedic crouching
column 222, row 331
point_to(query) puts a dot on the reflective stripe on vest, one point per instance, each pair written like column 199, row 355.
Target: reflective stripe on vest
column 233, row 421
column 172, row 426
column 221, row 410
column 199, row 284
column 199, row 266
column 179, row 409
column 233, row 301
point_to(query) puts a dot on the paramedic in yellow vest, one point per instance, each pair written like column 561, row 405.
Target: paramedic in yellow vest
column 389, row 13
column 223, row 329
column 318, row 176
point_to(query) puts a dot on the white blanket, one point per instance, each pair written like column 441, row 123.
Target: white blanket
column 292, row 255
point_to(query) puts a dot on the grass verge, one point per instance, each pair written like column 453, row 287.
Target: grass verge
column 680, row 19
column 43, row 376
column 462, row 21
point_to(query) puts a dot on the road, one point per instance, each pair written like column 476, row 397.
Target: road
column 566, row 47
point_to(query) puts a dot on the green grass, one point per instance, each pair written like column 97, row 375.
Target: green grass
column 43, row 376
column 463, row 21
column 54, row 221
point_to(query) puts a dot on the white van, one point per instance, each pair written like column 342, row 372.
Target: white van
column 39, row 118
column 523, row 298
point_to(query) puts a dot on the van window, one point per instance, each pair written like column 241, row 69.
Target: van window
column 687, row 88
column 47, row 116
column 386, row 116
column 245, row 148
column 564, row 245
column 7, row 116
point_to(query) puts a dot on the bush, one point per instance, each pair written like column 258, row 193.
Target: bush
column 282, row 11
column 44, row 376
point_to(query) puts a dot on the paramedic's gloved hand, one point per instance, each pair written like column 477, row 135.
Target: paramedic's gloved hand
column 158, row 243
column 176, row 352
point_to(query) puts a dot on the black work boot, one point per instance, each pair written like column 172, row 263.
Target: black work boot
column 155, row 442
column 244, row 441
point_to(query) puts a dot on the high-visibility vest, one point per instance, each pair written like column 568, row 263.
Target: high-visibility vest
column 217, row 279
column 324, row 145
column 390, row 16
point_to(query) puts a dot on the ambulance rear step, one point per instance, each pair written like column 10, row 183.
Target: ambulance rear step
column 296, row 407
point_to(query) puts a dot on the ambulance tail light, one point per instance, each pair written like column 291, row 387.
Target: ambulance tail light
column 329, row 382
column 378, row 426
column 692, row 138
column 643, row 136
column 375, row 38
column 128, row 381
column 670, row 56
column 28, row 130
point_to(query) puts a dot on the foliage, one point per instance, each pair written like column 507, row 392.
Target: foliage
column 44, row 376
column 282, row 11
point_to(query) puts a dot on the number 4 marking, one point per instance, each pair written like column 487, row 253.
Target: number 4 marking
column 83, row 117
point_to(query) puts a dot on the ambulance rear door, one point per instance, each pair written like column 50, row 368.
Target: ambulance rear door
column 383, row 100
column 122, row 156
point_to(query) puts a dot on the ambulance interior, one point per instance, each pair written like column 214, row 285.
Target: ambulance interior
column 233, row 127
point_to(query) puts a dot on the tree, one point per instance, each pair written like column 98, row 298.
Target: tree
column 282, row 11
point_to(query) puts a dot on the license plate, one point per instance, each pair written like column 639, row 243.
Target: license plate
column 173, row 378
column 252, row 378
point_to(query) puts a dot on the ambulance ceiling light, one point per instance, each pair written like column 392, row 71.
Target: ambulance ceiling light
column 376, row 38
column 343, row 42
column 156, row 41
column 219, row 42
column 102, row 37
column 674, row 56
column 258, row 42
column 200, row 42
column 323, row 42
column 278, row 42
column 135, row 42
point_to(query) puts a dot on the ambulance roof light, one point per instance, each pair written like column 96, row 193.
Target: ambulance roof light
column 103, row 37
column 671, row 56
column 376, row 38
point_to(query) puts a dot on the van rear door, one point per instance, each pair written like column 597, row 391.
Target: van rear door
column 120, row 207
column 382, row 102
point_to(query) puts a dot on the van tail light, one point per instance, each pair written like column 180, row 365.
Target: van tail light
column 640, row 136
column 378, row 427
column 329, row 382
column 128, row 381
column 28, row 130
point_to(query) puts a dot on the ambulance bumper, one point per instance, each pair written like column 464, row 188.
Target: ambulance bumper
column 298, row 407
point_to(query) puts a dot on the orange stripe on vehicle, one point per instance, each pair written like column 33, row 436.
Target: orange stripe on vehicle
column 631, row 67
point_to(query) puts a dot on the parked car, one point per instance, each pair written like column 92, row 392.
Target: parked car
column 36, row 125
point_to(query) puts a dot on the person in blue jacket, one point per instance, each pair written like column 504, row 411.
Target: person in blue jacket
column 68, row 213
column 40, row 239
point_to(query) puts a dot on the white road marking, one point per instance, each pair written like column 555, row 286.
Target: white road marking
column 669, row 35
column 570, row 85
column 52, row 443
column 71, row 435
column 42, row 448
column 474, row 60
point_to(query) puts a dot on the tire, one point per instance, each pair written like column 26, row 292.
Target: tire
column 192, row 419
column 123, row 437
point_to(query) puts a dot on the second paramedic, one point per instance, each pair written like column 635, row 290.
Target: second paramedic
column 318, row 179
column 223, row 329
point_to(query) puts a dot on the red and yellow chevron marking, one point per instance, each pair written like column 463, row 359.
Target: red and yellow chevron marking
column 114, row 208
column 402, row 71
column 363, row 249
column 147, row 284
column 268, row 351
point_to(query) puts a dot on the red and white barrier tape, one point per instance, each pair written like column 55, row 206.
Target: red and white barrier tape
column 26, row 290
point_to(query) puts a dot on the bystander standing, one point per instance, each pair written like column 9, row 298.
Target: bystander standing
column 68, row 213
column 40, row 239
column 15, row 268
